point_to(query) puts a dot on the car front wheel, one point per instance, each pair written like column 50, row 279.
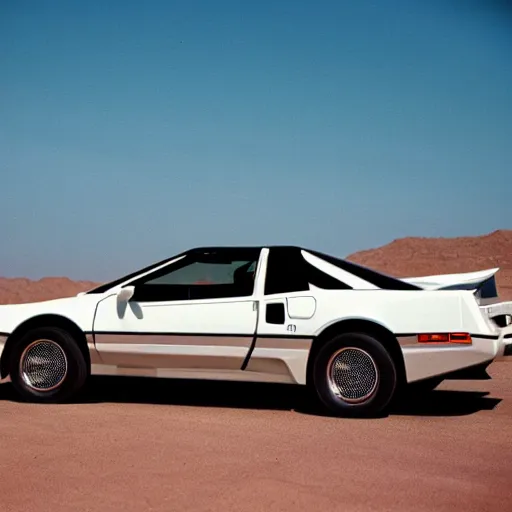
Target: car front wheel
column 354, row 375
column 47, row 365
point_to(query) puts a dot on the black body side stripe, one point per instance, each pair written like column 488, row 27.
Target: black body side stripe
column 245, row 335
column 202, row 334
column 287, row 336
column 168, row 333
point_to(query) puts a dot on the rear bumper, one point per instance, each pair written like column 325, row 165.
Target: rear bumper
column 423, row 362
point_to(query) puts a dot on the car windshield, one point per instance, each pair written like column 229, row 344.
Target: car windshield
column 106, row 286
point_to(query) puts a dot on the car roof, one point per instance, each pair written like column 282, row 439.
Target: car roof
column 379, row 279
column 234, row 247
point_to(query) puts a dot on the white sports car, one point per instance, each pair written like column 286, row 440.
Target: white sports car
column 269, row 314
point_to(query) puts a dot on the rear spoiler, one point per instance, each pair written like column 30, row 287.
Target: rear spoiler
column 482, row 283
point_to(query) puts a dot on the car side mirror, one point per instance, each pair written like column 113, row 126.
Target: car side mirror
column 125, row 294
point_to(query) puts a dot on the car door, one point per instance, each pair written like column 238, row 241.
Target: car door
column 287, row 304
column 288, row 317
column 196, row 315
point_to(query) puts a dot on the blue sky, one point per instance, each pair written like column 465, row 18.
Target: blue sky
column 133, row 130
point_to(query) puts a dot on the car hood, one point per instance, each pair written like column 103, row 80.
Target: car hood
column 79, row 309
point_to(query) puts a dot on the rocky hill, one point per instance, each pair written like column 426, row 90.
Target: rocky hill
column 413, row 256
column 18, row 290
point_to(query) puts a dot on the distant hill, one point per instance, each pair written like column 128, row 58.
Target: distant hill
column 18, row 290
column 405, row 257
column 413, row 256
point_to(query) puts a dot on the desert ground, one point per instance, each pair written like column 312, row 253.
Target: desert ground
column 136, row 444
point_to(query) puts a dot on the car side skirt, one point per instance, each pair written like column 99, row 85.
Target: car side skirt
column 193, row 356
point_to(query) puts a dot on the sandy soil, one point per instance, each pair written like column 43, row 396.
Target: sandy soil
column 144, row 445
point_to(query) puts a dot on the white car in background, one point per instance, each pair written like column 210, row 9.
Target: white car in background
column 279, row 314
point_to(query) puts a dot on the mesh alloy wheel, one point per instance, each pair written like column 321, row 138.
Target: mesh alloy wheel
column 352, row 375
column 43, row 365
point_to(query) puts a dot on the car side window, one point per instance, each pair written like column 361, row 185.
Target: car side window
column 201, row 275
column 285, row 271
column 288, row 271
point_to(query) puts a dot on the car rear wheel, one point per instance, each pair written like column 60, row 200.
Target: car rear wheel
column 354, row 375
column 46, row 365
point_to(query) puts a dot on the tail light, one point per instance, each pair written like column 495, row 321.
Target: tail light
column 447, row 337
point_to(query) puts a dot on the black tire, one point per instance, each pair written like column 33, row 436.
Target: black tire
column 62, row 372
column 371, row 391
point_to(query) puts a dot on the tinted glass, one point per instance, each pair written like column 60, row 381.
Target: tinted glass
column 285, row 271
column 205, row 273
column 201, row 275
column 288, row 271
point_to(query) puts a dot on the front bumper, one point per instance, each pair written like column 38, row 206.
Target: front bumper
column 3, row 340
column 499, row 313
column 505, row 342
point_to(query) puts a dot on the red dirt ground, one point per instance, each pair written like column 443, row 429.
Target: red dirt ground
column 403, row 258
column 145, row 445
